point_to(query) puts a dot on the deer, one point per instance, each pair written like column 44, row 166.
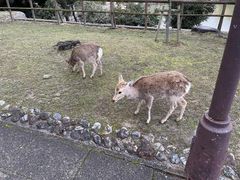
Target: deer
column 86, row 53
column 170, row 85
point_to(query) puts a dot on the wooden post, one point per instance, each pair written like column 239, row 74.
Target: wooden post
column 168, row 21
column 113, row 22
column 221, row 18
column 83, row 13
column 159, row 24
column 178, row 22
column 9, row 10
column 56, row 11
column 145, row 16
column 181, row 17
column 33, row 13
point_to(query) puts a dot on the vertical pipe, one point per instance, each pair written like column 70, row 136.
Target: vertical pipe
column 210, row 145
column 9, row 10
column 221, row 18
column 32, row 10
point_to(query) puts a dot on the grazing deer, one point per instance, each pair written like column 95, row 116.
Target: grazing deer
column 86, row 53
column 171, row 85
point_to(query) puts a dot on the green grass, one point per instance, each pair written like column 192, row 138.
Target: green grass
column 26, row 54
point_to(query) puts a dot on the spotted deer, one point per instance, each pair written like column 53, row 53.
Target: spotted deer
column 171, row 85
column 86, row 53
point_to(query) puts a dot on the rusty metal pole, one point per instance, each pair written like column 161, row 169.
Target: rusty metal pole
column 210, row 144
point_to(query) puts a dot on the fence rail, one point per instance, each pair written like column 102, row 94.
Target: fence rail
column 164, row 12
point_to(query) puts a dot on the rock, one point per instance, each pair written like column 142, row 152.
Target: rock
column 43, row 115
column 57, row 116
column 69, row 128
column 42, row 125
column 24, row 119
column 58, row 130
column 6, row 108
column 47, row 76
column 224, row 178
column 183, row 160
column 78, row 128
column 66, row 120
column 16, row 114
column 57, row 95
column 158, row 147
column 171, row 147
column 85, row 135
column 107, row 142
column 145, row 150
column 108, row 129
column 33, row 119
column 119, row 144
column 229, row 172
column 186, row 151
column 2, row 103
column 161, row 156
column 131, row 148
column 75, row 135
column 51, row 121
column 123, row 133
column 136, row 134
column 116, row 148
column 97, row 139
column 150, row 137
column 96, row 126
column 230, row 160
column 175, row 159
column 84, row 123
column 5, row 116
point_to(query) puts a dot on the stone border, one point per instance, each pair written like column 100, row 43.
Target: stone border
column 134, row 145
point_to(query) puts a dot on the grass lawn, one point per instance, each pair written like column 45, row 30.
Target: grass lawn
column 26, row 54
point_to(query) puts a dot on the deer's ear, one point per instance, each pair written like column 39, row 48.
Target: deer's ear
column 130, row 83
column 120, row 78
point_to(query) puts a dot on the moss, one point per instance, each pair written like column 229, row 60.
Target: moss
column 27, row 54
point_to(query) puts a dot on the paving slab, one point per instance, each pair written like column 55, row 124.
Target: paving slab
column 36, row 156
column 102, row 167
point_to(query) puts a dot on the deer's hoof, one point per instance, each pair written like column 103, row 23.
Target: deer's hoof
column 163, row 121
column 178, row 119
column 84, row 77
column 135, row 113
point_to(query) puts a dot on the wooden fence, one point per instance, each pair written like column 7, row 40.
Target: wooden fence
column 164, row 12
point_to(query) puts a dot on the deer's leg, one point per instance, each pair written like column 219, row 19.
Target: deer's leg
column 94, row 69
column 75, row 67
column 172, row 108
column 149, row 105
column 100, row 66
column 183, row 103
column 81, row 64
column 139, row 106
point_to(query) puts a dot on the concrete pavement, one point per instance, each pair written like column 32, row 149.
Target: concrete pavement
column 28, row 154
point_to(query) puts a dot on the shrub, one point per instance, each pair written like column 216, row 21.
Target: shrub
column 189, row 21
column 96, row 17
column 134, row 20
